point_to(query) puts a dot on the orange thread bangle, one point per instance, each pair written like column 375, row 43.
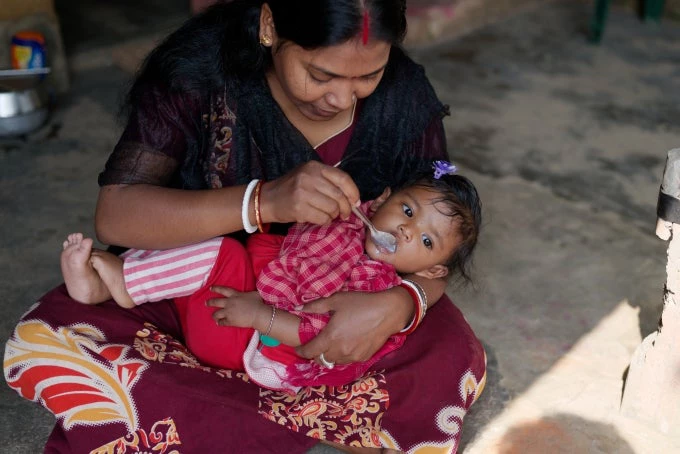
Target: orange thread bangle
column 258, row 217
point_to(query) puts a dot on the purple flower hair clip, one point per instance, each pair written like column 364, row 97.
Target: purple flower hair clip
column 443, row 168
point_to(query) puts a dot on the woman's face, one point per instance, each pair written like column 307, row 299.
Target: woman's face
column 323, row 82
column 426, row 238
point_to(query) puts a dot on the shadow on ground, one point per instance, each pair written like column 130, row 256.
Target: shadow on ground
column 562, row 434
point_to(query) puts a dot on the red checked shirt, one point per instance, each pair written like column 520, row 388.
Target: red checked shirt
column 318, row 261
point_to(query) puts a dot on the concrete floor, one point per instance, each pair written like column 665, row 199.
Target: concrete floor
column 566, row 142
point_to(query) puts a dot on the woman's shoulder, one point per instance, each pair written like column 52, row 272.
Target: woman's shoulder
column 406, row 83
column 400, row 60
column 404, row 95
column 205, row 51
column 402, row 67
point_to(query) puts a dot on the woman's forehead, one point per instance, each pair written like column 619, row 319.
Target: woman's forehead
column 350, row 59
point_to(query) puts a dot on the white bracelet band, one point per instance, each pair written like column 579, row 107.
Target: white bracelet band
column 247, row 226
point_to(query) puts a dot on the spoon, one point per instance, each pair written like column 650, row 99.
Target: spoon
column 385, row 241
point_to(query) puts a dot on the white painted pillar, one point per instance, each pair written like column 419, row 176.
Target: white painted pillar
column 652, row 388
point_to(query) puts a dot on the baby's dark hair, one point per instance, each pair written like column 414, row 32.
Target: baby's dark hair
column 458, row 199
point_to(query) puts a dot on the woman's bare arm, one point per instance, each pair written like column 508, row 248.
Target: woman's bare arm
column 362, row 322
column 144, row 216
column 153, row 217
column 434, row 288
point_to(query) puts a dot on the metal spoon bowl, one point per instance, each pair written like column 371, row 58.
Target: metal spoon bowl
column 385, row 241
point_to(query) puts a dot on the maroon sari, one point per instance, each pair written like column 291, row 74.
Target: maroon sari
column 120, row 381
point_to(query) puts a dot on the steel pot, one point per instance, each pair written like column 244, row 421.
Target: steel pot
column 23, row 103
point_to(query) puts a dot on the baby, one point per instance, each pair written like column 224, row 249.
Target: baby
column 435, row 219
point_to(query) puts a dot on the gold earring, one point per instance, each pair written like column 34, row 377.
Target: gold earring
column 266, row 40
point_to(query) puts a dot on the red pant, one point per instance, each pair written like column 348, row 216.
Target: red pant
column 236, row 267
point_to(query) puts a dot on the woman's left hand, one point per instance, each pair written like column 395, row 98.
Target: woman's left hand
column 240, row 309
column 360, row 324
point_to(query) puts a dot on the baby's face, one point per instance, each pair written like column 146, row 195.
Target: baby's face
column 425, row 237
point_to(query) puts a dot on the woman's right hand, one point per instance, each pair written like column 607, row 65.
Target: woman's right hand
column 313, row 192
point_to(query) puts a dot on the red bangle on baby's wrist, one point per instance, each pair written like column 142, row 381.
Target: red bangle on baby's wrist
column 419, row 298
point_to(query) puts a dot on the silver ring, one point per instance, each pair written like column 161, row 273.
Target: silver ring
column 325, row 363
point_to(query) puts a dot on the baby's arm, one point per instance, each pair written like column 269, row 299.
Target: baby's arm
column 248, row 310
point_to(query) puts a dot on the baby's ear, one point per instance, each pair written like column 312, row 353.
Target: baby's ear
column 380, row 199
column 434, row 272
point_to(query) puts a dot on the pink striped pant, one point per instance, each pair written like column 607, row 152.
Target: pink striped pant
column 155, row 275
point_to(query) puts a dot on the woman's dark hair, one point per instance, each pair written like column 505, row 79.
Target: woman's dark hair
column 224, row 39
column 458, row 199
column 321, row 23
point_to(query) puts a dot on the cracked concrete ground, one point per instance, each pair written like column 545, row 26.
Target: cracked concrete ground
column 566, row 142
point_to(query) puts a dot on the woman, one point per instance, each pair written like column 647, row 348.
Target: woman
column 315, row 99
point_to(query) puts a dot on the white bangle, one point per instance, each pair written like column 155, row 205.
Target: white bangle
column 245, row 218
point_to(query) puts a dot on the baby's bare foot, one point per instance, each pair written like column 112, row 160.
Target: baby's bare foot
column 110, row 269
column 82, row 281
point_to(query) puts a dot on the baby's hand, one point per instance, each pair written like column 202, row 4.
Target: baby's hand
column 245, row 310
